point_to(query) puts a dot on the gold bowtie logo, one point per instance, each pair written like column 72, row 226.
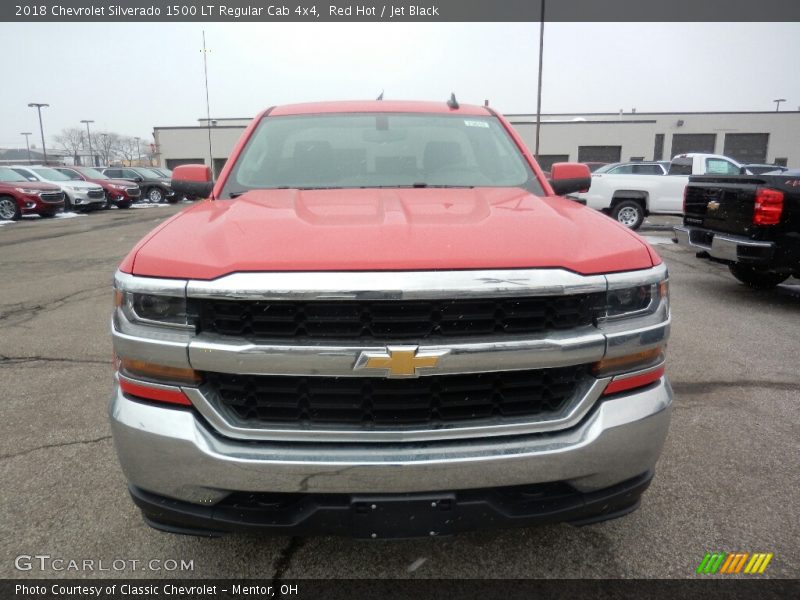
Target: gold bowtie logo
column 713, row 205
column 400, row 361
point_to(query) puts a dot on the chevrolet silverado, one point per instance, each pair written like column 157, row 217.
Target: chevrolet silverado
column 749, row 222
column 383, row 321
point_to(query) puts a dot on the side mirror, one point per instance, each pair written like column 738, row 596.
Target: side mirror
column 192, row 180
column 743, row 171
column 567, row 178
column 138, row 179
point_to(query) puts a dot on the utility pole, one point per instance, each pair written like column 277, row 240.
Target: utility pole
column 27, row 145
column 89, row 135
column 39, row 107
column 778, row 103
column 539, row 89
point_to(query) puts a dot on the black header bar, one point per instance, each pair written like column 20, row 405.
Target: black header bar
column 398, row 10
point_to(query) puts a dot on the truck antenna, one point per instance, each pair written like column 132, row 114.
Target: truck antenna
column 380, row 96
column 452, row 103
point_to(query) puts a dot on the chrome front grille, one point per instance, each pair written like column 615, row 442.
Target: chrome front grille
column 52, row 197
column 390, row 320
column 433, row 401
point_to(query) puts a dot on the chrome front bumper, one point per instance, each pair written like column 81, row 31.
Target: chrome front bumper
column 172, row 452
column 723, row 246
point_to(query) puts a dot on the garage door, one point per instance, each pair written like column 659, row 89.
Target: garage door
column 546, row 160
column 747, row 147
column 693, row 142
column 177, row 162
column 608, row 154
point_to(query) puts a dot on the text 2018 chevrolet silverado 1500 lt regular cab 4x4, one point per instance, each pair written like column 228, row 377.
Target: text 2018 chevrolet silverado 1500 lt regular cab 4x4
column 384, row 323
column 749, row 222
column 630, row 198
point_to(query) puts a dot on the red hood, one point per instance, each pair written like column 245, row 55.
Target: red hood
column 386, row 229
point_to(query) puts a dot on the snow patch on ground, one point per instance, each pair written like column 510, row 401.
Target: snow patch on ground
column 657, row 240
column 5, row 223
column 147, row 205
column 68, row 215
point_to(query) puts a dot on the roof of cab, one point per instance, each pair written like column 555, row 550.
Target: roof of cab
column 361, row 106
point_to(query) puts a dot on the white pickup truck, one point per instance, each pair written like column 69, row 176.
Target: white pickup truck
column 630, row 198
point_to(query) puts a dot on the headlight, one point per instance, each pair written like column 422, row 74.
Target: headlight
column 75, row 188
column 27, row 191
column 635, row 301
column 152, row 309
column 117, row 187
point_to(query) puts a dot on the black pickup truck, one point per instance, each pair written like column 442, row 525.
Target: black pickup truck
column 749, row 222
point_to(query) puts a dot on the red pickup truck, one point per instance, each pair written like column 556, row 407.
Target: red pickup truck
column 386, row 322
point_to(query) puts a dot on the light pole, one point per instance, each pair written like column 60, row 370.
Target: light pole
column 778, row 103
column 27, row 145
column 39, row 107
column 89, row 135
column 138, row 152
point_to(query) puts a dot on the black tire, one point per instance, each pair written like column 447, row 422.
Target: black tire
column 155, row 195
column 173, row 199
column 48, row 215
column 124, row 204
column 9, row 209
column 68, row 205
column 629, row 213
column 757, row 278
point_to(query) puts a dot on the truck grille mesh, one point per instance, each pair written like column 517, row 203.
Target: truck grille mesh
column 362, row 401
column 393, row 320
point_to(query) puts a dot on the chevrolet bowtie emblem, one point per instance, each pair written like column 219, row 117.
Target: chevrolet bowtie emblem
column 713, row 205
column 400, row 361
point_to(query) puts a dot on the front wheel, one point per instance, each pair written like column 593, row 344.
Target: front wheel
column 9, row 209
column 123, row 204
column 628, row 212
column 756, row 278
column 155, row 195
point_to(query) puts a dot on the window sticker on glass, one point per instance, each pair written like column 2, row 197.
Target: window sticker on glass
column 477, row 124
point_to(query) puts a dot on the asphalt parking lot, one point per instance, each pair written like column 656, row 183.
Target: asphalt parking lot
column 728, row 479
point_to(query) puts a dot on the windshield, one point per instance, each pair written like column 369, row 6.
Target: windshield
column 50, row 174
column 93, row 174
column 379, row 150
column 606, row 168
column 72, row 175
column 148, row 174
column 10, row 176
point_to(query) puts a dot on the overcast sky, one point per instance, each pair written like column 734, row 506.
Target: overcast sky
column 132, row 77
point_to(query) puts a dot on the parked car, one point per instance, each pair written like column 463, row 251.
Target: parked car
column 749, row 222
column 656, row 167
column 155, row 187
column 630, row 198
column 760, row 169
column 386, row 323
column 79, row 195
column 119, row 192
column 20, row 196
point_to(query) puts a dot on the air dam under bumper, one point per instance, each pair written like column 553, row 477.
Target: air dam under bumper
column 171, row 453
